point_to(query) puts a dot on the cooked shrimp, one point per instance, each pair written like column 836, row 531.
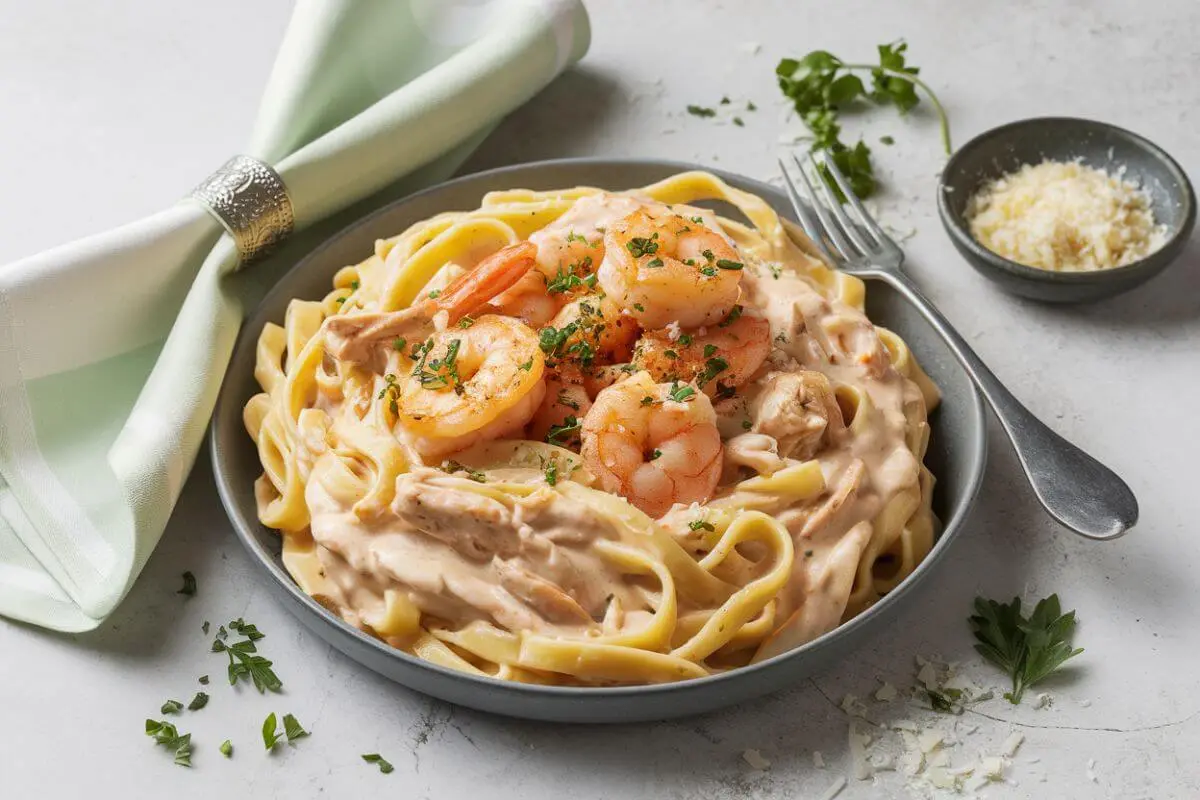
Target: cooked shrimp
column 718, row 359
column 589, row 332
column 663, row 268
column 528, row 300
column 351, row 336
column 566, row 267
column 559, row 414
column 656, row 444
column 470, row 384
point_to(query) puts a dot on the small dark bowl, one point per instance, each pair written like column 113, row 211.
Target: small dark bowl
column 1005, row 149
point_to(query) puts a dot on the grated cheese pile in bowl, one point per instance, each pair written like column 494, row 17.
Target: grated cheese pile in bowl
column 1065, row 217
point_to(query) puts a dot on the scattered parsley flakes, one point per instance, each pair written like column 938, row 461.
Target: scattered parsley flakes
column 165, row 734
column 435, row 294
column 747, row 424
column 710, row 350
column 453, row 466
column 685, row 340
column 750, row 106
column 701, row 111
column 656, row 454
column 171, row 707
column 466, row 322
column 528, row 365
column 654, row 264
column 552, row 472
column 887, row 140
column 725, row 100
column 292, row 728
column 700, row 524
column 244, row 660
column 204, row 627
column 725, row 263
column 270, row 732
column 226, row 748
column 204, row 680
column 198, row 702
column 738, row 121
column 374, row 758
column 638, row 307
column 189, row 585
column 354, row 284
column 640, row 246
column 734, row 313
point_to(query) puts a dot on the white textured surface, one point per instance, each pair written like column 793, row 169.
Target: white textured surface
column 112, row 110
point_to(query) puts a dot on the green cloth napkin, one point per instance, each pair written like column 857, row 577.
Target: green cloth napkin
column 112, row 349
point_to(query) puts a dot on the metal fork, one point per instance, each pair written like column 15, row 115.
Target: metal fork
column 1078, row 491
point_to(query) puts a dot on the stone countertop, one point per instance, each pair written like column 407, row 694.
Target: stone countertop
column 113, row 110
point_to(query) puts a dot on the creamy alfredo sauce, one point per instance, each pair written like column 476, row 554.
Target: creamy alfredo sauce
column 529, row 563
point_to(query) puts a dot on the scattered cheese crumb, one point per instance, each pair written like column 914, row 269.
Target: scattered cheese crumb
column 1044, row 700
column 1010, row 745
column 853, row 706
column 755, row 760
column 673, row 331
column 928, row 676
column 1065, row 217
column 818, row 759
column 930, row 740
column 859, row 740
column 992, row 766
column 886, row 693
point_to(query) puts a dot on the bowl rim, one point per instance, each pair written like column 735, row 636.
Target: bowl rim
column 955, row 223
column 245, row 521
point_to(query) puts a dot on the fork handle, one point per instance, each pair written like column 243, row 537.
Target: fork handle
column 1078, row 491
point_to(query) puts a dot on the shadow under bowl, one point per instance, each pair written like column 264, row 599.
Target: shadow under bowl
column 1004, row 150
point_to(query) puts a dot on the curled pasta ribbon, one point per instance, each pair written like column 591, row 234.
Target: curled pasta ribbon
column 749, row 601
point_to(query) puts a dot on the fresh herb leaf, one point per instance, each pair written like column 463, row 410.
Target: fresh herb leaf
column 552, row 472
column 293, row 729
column 204, row 680
column 701, row 111
column 226, row 748
column 1027, row 649
column 374, row 758
column 270, row 732
column 656, row 454
column 198, row 702
column 712, row 367
column 750, row 106
column 654, row 263
column 747, row 424
column 204, row 627
column 710, row 350
column 435, row 294
column 725, row 100
column 189, row 585
column 944, row 701
column 244, row 660
column 820, row 85
column 888, row 140
column 685, row 340
column 725, row 263
column 640, row 246
column 528, row 365
column 699, row 524
column 731, row 317
column 738, row 121
column 171, row 707
column 466, row 322
column 638, row 307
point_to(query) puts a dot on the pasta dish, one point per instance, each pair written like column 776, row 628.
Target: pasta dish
column 588, row 438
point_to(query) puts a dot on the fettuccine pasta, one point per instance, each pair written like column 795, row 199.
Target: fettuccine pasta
column 587, row 438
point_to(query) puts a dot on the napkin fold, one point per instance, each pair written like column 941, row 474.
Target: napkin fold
column 113, row 348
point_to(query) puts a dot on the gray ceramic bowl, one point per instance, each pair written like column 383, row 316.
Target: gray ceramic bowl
column 956, row 455
column 1005, row 149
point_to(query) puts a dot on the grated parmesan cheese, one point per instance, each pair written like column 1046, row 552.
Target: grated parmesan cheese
column 1065, row 217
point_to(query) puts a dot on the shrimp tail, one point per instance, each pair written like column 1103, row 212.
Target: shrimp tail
column 496, row 274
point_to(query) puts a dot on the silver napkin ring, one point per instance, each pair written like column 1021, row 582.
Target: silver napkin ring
column 250, row 200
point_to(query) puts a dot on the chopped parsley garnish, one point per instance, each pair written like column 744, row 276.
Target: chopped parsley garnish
column 293, row 729
column 697, row 220
column 452, row 467
column 701, row 111
column 710, row 350
column 558, row 433
column 565, row 280
column 886, row 140
column 750, row 106
column 776, row 270
column 638, row 307
column 198, row 702
column 781, row 337
column 165, row 734
column 435, row 294
column 527, row 365
column 708, row 272
column 441, row 372
column 204, row 627
column 648, row 401
column 670, row 354
column 226, row 748
column 466, row 322
column 725, row 100
column 203, row 680
column 189, row 585
column 564, row 400
column 699, row 524
column 808, row 553
column 654, row 263
column 738, row 121
column 943, row 700
column 572, row 236
column 244, row 660
column 552, row 472
column 640, row 246
column 708, row 255
column 734, row 313
column 712, row 367
column 399, row 343
column 747, row 425
column 656, row 454
column 374, row 758
column 680, row 393
column 725, row 263
column 354, row 285
column 685, row 339
column 171, row 707
column 725, row 392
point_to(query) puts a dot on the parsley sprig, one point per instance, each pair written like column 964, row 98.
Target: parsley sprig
column 820, row 85
column 1028, row 649
column 168, row 736
column 244, row 660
